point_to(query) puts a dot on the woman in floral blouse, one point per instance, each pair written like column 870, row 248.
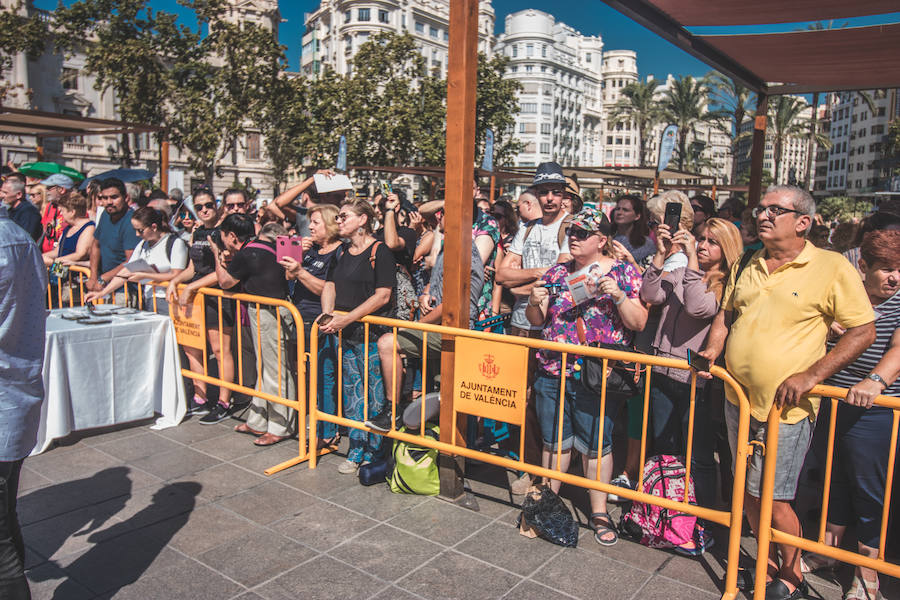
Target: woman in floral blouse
column 611, row 316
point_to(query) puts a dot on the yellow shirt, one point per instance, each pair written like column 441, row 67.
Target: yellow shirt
column 781, row 319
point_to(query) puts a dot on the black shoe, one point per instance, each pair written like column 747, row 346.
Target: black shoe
column 383, row 421
column 217, row 414
column 778, row 590
column 197, row 408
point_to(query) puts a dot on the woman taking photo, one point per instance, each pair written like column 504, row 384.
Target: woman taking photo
column 631, row 233
column 689, row 298
column 609, row 317
column 201, row 272
column 158, row 258
column 320, row 251
column 360, row 283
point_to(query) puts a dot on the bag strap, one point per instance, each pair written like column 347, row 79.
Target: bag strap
column 170, row 242
column 372, row 254
column 745, row 260
column 259, row 246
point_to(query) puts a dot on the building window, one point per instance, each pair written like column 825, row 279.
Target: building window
column 446, row 36
column 433, row 32
column 521, row 127
column 69, row 79
column 420, row 27
column 543, row 68
column 515, row 50
column 545, row 148
column 529, row 68
column 544, row 50
column 362, row 14
column 347, row 16
column 546, row 109
column 384, row 16
column 587, row 57
column 529, row 107
column 529, row 49
column 545, row 128
column 609, row 140
column 253, row 146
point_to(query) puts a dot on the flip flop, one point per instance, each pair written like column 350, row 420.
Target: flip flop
column 243, row 428
column 268, row 439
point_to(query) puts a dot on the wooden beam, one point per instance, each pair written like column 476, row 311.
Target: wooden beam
column 758, row 150
column 461, row 81
column 164, row 166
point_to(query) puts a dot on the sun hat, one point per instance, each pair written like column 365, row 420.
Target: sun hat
column 549, row 172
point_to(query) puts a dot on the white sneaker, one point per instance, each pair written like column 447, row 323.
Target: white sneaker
column 620, row 481
column 348, row 467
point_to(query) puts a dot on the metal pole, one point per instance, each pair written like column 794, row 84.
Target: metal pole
column 461, row 82
column 758, row 150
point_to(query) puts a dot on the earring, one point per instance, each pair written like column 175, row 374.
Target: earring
column 360, row 230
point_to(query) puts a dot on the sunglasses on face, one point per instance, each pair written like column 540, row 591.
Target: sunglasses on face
column 578, row 233
column 343, row 216
column 206, row 205
column 234, row 205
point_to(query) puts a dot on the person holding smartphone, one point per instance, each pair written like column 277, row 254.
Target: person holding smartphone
column 689, row 298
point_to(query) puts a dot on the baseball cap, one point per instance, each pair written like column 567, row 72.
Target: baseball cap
column 58, row 179
column 592, row 219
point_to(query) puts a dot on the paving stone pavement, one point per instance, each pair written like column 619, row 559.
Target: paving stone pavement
column 187, row 513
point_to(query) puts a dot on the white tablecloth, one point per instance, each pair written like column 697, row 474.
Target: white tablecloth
column 96, row 375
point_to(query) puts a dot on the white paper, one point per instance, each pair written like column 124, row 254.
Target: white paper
column 141, row 266
column 585, row 283
column 336, row 183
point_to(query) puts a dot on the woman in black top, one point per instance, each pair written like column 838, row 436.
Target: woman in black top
column 201, row 272
column 320, row 251
column 360, row 284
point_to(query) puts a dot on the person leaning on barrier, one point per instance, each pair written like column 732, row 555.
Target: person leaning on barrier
column 360, row 283
column 253, row 265
column 609, row 317
column 776, row 317
column 320, row 252
column 863, row 431
column 114, row 238
column 162, row 250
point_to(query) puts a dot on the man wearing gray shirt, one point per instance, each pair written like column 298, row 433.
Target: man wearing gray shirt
column 23, row 288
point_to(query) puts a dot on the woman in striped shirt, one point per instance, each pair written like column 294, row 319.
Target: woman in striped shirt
column 863, row 431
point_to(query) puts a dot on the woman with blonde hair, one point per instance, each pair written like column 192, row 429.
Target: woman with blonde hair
column 689, row 297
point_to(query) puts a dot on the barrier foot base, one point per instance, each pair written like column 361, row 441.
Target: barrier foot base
column 285, row 465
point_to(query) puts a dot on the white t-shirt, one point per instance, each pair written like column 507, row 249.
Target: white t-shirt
column 539, row 250
column 156, row 256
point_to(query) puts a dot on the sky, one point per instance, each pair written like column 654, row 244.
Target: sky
column 655, row 56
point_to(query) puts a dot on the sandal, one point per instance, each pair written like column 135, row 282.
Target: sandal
column 329, row 443
column 243, row 428
column 863, row 590
column 268, row 439
column 601, row 532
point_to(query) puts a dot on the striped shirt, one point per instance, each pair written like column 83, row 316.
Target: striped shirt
column 887, row 319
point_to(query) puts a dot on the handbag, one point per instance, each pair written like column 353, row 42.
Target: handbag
column 621, row 378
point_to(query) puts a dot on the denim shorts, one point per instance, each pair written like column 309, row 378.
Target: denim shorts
column 793, row 443
column 581, row 416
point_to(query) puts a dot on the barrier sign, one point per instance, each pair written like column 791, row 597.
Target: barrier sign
column 489, row 380
column 189, row 322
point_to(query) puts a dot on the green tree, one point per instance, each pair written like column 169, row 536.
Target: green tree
column 890, row 149
column 786, row 120
column 19, row 32
column 283, row 125
column 325, row 113
column 843, row 208
column 685, row 105
column 638, row 105
column 743, row 178
column 496, row 106
column 731, row 98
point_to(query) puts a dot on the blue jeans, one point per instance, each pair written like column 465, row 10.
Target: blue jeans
column 670, row 411
column 364, row 446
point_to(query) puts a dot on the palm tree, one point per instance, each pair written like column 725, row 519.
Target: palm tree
column 732, row 99
column 685, row 105
column 639, row 106
column 785, row 117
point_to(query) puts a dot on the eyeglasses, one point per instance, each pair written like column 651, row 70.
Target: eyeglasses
column 343, row 216
column 184, row 216
column 234, row 205
column 773, row 211
column 206, row 205
column 578, row 233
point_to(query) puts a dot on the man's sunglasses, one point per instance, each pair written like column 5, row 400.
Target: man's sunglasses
column 234, row 205
column 578, row 233
column 206, row 205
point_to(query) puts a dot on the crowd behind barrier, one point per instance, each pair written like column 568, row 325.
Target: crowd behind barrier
column 366, row 299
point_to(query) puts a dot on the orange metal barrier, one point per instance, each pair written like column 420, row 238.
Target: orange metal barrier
column 731, row 518
column 768, row 535
column 73, row 286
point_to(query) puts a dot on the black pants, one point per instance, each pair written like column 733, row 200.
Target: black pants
column 13, row 585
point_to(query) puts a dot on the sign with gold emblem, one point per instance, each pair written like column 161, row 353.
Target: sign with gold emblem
column 490, row 379
column 190, row 326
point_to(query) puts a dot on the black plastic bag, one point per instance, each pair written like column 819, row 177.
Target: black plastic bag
column 548, row 516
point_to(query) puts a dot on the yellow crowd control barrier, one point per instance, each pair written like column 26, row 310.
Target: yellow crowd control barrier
column 769, row 535
column 68, row 290
column 731, row 518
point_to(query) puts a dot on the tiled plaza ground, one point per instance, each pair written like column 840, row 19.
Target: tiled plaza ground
column 187, row 513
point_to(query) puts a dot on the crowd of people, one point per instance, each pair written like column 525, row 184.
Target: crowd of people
column 765, row 293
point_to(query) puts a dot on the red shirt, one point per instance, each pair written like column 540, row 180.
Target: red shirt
column 53, row 225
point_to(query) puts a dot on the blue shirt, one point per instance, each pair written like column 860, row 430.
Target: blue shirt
column 28, row 217
column 115, row 239
column 23, row 289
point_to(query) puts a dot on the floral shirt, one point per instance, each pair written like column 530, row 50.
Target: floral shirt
column 485, row 224
column 601, row 316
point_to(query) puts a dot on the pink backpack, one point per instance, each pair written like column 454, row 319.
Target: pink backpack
column 659, row 527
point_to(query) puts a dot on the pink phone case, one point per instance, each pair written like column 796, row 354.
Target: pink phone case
column 290, row 247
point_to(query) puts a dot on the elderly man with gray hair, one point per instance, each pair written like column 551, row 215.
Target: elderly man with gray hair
column 775, row 314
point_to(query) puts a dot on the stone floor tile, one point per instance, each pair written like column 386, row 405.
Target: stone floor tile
column 30, row 480
column 192, row 431
column 530, row 590
column 454, row 575
column 138, row 446
column 395, row 593
column 48, row 581
column 705, row 572
column 228, row 447
column 74, row 531
column 257, row 557
column 504, row 547
column 248, row 596
column 589, row 575
column 323, row 578
column 663, row 588
column 185, row 579
column 154, row 504
column 269, row 457
column 62, row 464
column 322, row 525
column 377, row 501
column 202, row 529
column 324, row 481
column 102, row 435
column 440, row 521
column 386, row 552
column 626, row 551
column 272, row 501
column 223, row 480
column 175, row 464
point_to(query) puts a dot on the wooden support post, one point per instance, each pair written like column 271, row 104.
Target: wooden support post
column 461, row 82
column 758, row 150
column 656, row 184
column 493, row 184
column 164, row 166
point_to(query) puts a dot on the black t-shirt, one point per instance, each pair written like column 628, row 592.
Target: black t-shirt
column 403, row 256
column 201, row 255
column 318, row 265
column 259, row 271
column 355, row 280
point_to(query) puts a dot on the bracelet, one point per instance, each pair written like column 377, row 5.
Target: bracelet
column 624, row 298
column 530, row 303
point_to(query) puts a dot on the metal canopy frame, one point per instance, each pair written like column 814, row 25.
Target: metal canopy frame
column 42, row 124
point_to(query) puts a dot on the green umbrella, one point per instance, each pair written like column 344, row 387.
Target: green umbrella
column 44, row 169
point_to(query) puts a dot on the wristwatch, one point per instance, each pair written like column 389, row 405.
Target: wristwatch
column 877, row 378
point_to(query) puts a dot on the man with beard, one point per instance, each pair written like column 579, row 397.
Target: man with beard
column 114, row 237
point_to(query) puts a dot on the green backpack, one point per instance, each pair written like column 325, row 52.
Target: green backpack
column 415, row 467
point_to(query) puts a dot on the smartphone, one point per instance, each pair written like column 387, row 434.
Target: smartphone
column 386, row 188
column 673, row 216
column 325, row 319
column 697, row 362
column 290, row 247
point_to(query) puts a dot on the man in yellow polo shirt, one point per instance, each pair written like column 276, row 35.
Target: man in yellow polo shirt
column 775, row 315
